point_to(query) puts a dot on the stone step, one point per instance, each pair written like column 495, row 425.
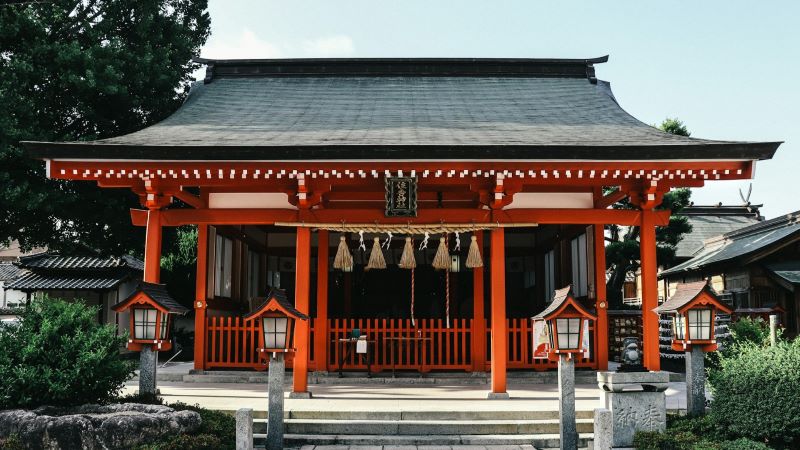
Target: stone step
column 423, row 427
column 417, row 415
column 539, row 441
column 426, row 415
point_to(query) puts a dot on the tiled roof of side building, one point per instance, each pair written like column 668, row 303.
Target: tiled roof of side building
column 10, row 271
column 710, row 221
column 741, row 243
column 32, row 281
column 402, row 109
column 50, row 261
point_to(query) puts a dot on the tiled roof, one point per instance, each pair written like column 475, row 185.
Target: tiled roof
column 787, row 270
column 708, row 222
column 512, row 109
column 159, row 294
column 684, row 293
column 9, row 271
column 33, row 281
column 51, row 261
column 739, row 244
column 280, row 297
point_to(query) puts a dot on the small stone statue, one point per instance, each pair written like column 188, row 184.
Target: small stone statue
column 631, row 356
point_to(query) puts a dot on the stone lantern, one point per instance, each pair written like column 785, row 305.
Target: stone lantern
column 693, row 308
column 565, row 319
column 151, row 309
column 276, row 316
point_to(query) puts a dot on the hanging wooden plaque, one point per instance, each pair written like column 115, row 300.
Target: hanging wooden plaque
column 401, row 197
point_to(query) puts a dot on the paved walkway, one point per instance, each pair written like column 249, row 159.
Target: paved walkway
column 394, row 397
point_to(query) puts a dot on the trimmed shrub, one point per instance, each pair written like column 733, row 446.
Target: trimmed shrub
column 750, row 331
column 757, row 394
column 59, row 355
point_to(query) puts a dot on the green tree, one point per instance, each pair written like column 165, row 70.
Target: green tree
column 82, row 70
column 622, row 251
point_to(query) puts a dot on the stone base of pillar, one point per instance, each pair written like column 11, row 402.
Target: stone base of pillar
column 695, row 382
column 498, row 396
column 148, row 362
column 300, row 395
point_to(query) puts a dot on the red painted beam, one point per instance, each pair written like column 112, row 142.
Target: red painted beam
column 177, row 217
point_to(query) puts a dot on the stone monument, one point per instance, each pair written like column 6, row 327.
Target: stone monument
column 636, row 401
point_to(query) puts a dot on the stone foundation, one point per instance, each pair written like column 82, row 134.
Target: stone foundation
column 95, row 427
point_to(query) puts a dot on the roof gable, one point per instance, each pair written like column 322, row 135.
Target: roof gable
column 153, row 294
column 276, row 301
column 689, row 295
column 564, row 301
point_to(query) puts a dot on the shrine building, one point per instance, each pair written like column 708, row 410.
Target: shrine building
column 431, row 205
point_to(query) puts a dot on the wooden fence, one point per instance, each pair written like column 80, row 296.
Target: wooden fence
column 232, row 342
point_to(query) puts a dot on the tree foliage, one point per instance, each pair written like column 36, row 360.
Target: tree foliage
column 674, row 126
column 82, row 70
column 623, row 250
column 59, row 355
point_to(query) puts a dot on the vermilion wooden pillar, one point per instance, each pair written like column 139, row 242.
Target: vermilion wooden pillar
column 478, row 314
column 321, row 322
column 152, row 247
column 200, row 297
column 499, row 327
column 301, row 293
column 601, row 302
column 647, row 248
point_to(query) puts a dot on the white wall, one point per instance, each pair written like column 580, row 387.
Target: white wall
column 10, row 296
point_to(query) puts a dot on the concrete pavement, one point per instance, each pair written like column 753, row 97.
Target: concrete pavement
column 394, row 397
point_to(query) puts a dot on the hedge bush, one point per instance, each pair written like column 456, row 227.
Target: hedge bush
column 756, row 393
column 59, row 355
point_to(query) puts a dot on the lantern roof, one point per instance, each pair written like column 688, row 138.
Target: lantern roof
column 156, row 295
column 401, row 109
column 276, row 300
column 688, row 295
column 564, row 299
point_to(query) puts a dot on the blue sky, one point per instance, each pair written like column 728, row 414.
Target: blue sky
column 728, row 69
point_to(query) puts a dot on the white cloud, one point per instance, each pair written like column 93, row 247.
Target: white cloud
column 246, row 46
column 329, row 46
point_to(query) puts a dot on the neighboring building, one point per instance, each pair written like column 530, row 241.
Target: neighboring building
column 290, row 155
column 755, row 268
column 96, row 281
column 10, row 298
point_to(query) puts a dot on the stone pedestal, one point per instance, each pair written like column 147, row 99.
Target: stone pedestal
column 602, row 429
column 275, row 399
column 244, row 429
column 568, row 431
column 695, row 381
column 637, row 403
column 148, row 361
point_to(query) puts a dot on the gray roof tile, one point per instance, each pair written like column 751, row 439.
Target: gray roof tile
column 41, row 282
column 252, row 113
column 745, row 241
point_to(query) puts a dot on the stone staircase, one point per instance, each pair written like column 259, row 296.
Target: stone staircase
column 384, row 428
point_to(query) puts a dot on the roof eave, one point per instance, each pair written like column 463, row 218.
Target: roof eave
column 701, row 151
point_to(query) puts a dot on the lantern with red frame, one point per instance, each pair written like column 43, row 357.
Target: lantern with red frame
column 151, row 309
column 693, row 308
column 565, row 318
column 276, row 317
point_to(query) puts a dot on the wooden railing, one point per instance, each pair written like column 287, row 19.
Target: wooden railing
column 231, row 343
